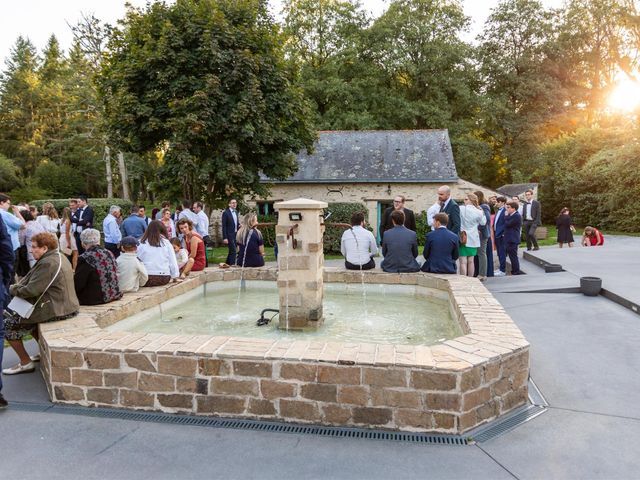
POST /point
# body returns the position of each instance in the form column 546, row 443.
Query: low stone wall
column 451, row 387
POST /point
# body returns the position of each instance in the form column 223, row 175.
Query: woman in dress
column 195, row 247
column 250, row 241
column 592, row 237
column 471, row 218
column 49, row 219
column 31, row 228
column 168, row 223
column 565, row 228
column 96, row 278
column 156, row 252
column 67, row 240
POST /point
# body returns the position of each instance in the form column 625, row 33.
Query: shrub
column 340, row 213
column 100, row 207
column 421, row 226
column 268, row 232
column 59, row 180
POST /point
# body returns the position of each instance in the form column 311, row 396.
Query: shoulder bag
column 463, row 235
column 24, row 308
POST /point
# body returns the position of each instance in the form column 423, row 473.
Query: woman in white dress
column 471, row 217
column 67, row 240
column 49, row 219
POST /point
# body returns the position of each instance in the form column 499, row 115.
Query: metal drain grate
column 508, row 423
column 241, row 424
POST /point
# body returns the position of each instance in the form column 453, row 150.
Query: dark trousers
column 157, row 280
column 231, row 257
column 1, row 336
column 78, row 243
column 113, row 248
column 530, row 233
column 501, row 250
column 489, row 258
column 512, row 251
column 367, row 266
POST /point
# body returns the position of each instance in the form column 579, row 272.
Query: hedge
column 100, row 207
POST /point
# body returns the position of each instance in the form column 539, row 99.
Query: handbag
column 463, row 235
column 25, row 309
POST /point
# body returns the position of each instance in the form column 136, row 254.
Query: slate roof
column 385, row 156
column 513, row 189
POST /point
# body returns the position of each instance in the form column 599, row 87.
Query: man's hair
column 513, row 204
column 45, row 239
column 186, row 204
column 129, row 248
column 141, row 207
column 357, row 218
column 27, row 216
column 401, row 197
column 135, row 209
column 4, row 197
column 83, row 198
column 200, row 205
column 397, row 217
column 113, row 209
column 501, row 199
column 441, row 218
column 529, row 191
column 73, row 200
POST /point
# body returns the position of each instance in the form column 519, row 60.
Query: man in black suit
column 512, row 226
column 230, row 225
column 82, row 218
column 400, row 247
column 450, row 207
column 398, row 205
column 498, row 235
column 441, row 247
column 531, row 219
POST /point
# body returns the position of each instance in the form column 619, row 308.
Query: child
column 182, row 256
column 131, row 272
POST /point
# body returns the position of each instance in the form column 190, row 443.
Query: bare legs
column 466, row 268
column 18, row 347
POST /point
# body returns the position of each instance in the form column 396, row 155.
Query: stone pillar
column 300, row 269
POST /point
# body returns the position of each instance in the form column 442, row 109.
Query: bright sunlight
column 625, row 96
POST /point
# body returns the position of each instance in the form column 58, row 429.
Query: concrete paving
column 584, row 359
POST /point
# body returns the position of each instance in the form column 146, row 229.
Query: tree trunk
column 107, row 160
column 124, row 176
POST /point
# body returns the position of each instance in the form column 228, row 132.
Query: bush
column 422, row 227
column 340, row 213
column 59, row 180
column 268, row 232
column 100, row 207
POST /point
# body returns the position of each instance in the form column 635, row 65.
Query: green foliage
column 422, row 227
column 340, row 213
column 26, row 192
column 59, row 180
column 8, row 174
column 100, row 207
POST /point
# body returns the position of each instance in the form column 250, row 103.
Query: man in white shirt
column 431, row 212
column 358, row 245
column 111, row 230
column 203, row 222
column 188, row 213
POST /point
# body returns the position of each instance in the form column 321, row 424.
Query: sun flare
column 625, row 96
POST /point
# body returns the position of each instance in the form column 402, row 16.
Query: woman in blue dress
column 250, row 242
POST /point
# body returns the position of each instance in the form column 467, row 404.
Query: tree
column 8, row 174
column 205, row 82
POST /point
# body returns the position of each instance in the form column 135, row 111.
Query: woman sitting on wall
column 49, row 287
column 156, row 252
column 195, row 247
column 250, row 242
column 96, row 277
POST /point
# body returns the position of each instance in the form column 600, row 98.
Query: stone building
column 518, row 189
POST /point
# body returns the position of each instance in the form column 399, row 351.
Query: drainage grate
column 241, row 424
column 517, row 418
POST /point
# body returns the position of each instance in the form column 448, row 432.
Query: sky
column 38, row 19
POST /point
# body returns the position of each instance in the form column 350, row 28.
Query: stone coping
column 490, row 332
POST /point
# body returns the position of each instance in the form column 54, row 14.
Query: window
column 265, row 208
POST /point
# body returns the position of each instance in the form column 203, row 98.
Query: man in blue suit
column 230, row 226
column 441, row 247
column 400, row 247
column 498, row 235
column 6, row 275
column 450, row 207
column 512, row 226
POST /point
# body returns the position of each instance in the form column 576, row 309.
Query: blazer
column 535, row 213
column 485, row 230
column 512, row 226
column 440, row 251
column 229, row 226
column 87, row 218
column 387, row 224
column 400, row 249
column 498, row 222
column 453, row 210
column 6, row 264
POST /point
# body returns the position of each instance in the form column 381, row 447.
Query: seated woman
column 157, row 254
column 195, row 247
column 96, row 276
column 250, row 241
column 49, row 286
column 592, row 237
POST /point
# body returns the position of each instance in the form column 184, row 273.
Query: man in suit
column 441, row 247
column 512, row 226
column 450, row 207
column 83, row 219
column 398, row 205
column 400, row 247
column 133, row 226
column 6, row 278
column 230, row 225
column 531, row 219
column 498, row 235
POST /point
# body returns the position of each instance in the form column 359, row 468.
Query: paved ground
column 584, row 358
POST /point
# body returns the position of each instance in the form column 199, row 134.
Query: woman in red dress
column 592, row 237
column 195, row 246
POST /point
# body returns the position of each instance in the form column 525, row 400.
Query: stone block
column 299, row 410
column 221, row 404
column 192, row 385
column 151, row 382
column 488, row 411
column 121, row 379
column 261, row 407
column 444, row 421
column 180, row 366
column 514, row 399
column 286, row 283
column 299, row 371
column 471, row 379
column 477, row 397
column 68, row 393
column 501, row 387
column 102, row 361
column 414, row 419
column 384, row 377
column 272, row 389
column 443, row 401
column 339, row 375
column 231, row 386
column 60, row 374
column 354, row 395
column 213, row 367
column 435, row 381
column 140, row 361
column 92, row 378
column 297, row 262
column 515, row 363
column 108, row 396
column 337, row 414
column 135, row 398
column 315, row 247
column 66, row 359
column 252, row 369
column 395, row 398
column 372, row 415
column 176, row 400
column 491, row 371
column 467, row 421
column 322, row 393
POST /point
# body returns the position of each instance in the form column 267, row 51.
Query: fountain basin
column 449, row 387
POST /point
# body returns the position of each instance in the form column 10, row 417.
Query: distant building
column 518, row 189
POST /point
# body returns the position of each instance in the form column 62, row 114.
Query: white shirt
column 159, row 260
column 203, row 224
column 132, row 273
column 527, row 208
column 235, row 219
column 358, row 245
column 470, row 218
column 186, row 213
column 50, row 225
column 433, row 209
column 497, row 216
